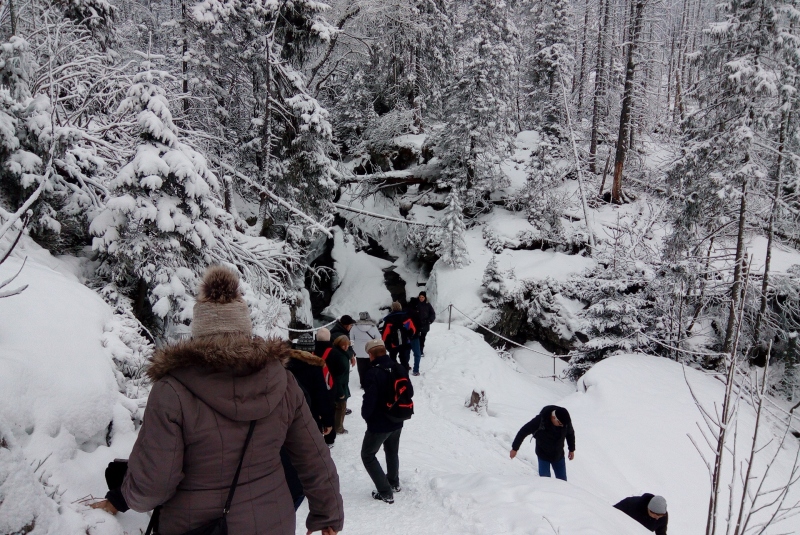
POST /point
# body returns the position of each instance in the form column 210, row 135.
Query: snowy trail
column 455, row 471
column 632, row 414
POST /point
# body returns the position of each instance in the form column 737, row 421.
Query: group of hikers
column 231, row 411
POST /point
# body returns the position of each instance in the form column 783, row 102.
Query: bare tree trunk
column 598, row 85
column 617, row 195
column 738, row 271
column 184, row 61
column 266, row 147
column 12, row 15
column 776, row 193
column 584, row 47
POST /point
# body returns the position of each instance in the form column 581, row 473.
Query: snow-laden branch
column 381, row 216
column 314, row 223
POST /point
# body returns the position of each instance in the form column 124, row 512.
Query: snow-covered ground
column 632, row 414
column 59, row 391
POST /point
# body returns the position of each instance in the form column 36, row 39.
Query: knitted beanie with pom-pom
column 220, row 308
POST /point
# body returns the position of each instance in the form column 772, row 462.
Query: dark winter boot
column 378, row 496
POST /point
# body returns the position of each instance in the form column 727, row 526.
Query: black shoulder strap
column 238, row 470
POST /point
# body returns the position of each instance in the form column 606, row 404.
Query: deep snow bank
column 61, row 402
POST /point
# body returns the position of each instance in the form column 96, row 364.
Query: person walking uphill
column 648, row 510
column 387, row 404
column 209, row 394
column 339, row 365
column 550, row 428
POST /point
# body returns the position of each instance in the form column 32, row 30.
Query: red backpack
column 399, row 407
column 326, row 373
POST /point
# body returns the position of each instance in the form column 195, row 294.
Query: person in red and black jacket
column 397, row 330
column 382, row 430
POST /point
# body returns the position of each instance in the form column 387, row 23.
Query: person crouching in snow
column 550, row 428
column 648, row 510
column 222, row 399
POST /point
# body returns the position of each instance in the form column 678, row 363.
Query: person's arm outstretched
column 523, row 433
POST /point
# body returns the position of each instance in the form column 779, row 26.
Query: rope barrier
column 503, row 337
column 313, row 330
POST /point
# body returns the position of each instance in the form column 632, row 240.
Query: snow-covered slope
column 61, row 401
column 60, row 391
column 632, row 414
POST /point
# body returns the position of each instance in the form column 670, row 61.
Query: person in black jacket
column 415, row 340
column 648, row 510
column 381, row 430
column 343, row 327
column 307, row 370
column 427, row 315
column 397, row 330
column 550, row 428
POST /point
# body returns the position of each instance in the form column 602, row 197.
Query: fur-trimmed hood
column 240, row 377
column 305, row 356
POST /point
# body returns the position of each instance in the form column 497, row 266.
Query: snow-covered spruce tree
column 479, row 104
column 279, row 135
column 162, row 218
column 619, row 307
column 729, row 146
column 543, row 197
column 96, row 15
column 548, row 64
column 493, row 284
column 452, row 249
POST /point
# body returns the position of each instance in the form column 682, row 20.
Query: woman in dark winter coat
column 339, row 366
column 307, row 370
column 550, row 428
column 206, row 392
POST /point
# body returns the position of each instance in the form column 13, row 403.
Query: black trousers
column 362, row 365
column 404, row 352
column 422, row 336
column 391, row 447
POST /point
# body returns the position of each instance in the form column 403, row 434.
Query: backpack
column 326, row 373
column 399, row 406
column 395, row 335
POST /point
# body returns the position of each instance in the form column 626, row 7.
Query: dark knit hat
column 563, row 415
column 347, row 320
column 424, row 294
column 220, row 308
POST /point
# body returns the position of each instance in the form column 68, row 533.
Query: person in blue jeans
column 550, row 428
